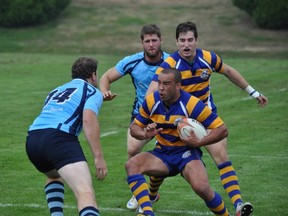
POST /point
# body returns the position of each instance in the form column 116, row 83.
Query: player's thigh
column 77, row 175
column 218, row 151
column 146, row 163
column 196, row 175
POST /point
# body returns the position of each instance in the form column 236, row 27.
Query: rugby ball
column 186, row 125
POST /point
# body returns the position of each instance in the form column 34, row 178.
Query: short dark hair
column 150, row 29
column 175, row 72
column 185, row 27
column 84, row 67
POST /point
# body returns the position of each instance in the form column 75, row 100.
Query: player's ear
column 94, row 75
column 178, row 85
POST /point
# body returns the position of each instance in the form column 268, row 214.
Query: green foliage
column 16, row 13
column 268, row 14
column 249, row 6
column 272, row 14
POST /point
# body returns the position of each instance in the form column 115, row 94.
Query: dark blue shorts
column 50, row 149
column 176, row 157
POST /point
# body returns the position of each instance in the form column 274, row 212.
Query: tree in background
column 18, row 13
column 268, row 14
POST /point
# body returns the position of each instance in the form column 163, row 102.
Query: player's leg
column 135, row 146
column 54, row 191
column 136, row 167
column 154, row 185
column 78, row 177
column 228, row 176
column 195, row 174
column 38, row 147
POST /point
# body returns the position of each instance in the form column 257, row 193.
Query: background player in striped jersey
column 52, row 144
column 196, row 66
column 173, row 155
column 141, row 67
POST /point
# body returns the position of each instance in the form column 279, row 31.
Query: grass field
column 36, row 59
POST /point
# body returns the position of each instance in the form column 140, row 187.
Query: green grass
column 34, row 60
column 257, row 139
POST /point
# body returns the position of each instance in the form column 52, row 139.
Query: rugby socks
column 217, row 206
column 55, row 197
column 89, row 211
column 139, row 188
column 154, row 185
column 230, row 183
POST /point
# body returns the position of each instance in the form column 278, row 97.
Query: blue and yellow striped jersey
column 195, row 75
column 154, row 110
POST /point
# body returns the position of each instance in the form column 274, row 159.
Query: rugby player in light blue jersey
column 52, row 143
column 141, row 67
column 196, row 66
column 173, row 155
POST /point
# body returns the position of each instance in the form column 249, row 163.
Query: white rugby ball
column 186, row 125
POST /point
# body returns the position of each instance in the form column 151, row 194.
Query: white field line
column 33, row 205
column 108, row 133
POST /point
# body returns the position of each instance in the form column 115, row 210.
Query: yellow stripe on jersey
column 170, row 61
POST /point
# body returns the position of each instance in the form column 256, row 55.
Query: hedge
column 269, row 14
column 17, row 13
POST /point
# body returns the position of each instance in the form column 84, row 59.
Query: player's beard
column 152, row 54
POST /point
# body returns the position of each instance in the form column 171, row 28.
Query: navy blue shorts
column 176, row 157
column 50, row 149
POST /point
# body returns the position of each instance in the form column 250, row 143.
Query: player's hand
column 262, row 100
column 151, row 130
column 108, row 96
column 192, row 140
column 101, row 168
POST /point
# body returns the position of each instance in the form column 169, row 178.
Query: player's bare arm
column 236, row 78
column 214, row 136
column 92, row 133
column 144, row 133
column 107, row 78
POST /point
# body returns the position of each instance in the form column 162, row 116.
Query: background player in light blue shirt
column 141, row 67
column 52, row 143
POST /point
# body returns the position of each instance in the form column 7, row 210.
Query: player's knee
column 131, row 167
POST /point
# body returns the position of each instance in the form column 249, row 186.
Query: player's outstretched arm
column 92, row 133
column 105, row 81
column 236, row 78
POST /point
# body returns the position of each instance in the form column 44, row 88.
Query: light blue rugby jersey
column 63, row 107
column 141, row 73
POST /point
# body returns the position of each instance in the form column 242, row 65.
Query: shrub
column 271, row 14
column 16, row 13
column 266, row 13
column 248, row 6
